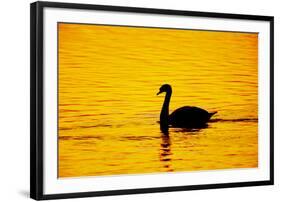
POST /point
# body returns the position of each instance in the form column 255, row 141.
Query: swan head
column 165, row 88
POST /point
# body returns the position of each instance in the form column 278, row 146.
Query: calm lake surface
column 109, row 111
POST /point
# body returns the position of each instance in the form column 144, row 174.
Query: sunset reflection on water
column 109, row 111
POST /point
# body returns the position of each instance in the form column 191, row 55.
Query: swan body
column 189, row 117
column 184, row 117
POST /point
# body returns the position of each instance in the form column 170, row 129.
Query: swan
column 184, row 117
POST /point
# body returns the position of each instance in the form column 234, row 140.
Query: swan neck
column 164, row 116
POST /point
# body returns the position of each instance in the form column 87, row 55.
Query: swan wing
column 189, row 116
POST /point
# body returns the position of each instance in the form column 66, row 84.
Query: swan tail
column 212, row 113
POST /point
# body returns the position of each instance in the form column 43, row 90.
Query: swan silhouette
column 184, row 117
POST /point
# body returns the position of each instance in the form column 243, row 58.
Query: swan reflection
column 166, row 153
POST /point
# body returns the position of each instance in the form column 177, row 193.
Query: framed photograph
column 131, row 100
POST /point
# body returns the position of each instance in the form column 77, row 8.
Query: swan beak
column 159, row 93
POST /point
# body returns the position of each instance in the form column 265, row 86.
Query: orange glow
column 108, row 108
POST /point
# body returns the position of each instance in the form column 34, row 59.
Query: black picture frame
column 37, row 102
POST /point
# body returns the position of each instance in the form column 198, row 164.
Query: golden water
column 108, row 108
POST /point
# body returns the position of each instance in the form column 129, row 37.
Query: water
column 109, row 111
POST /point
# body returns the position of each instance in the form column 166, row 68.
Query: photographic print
column 112, row 122
column 129, row 100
